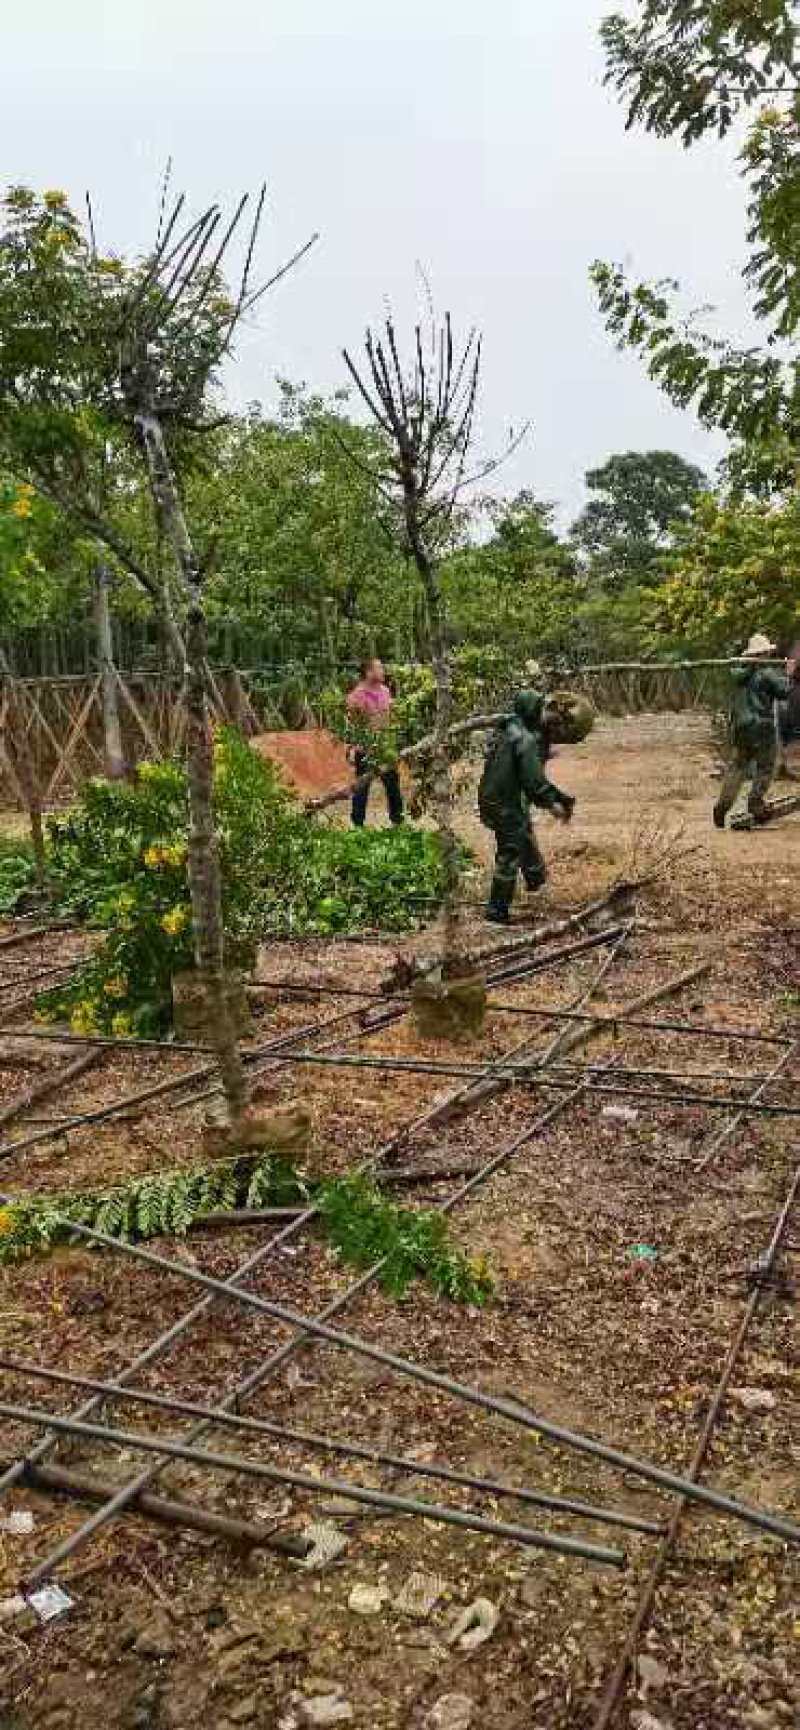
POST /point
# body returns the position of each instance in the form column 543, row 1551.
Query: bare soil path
column 170, row 1631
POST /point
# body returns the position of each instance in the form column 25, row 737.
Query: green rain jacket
column 513, row 775
column 755, row 690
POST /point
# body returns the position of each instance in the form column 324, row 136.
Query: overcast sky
column 473, row 137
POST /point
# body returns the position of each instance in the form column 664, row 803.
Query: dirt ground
column 170, row 1630
column 312, row 761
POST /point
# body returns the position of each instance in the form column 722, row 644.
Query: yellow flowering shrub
column 175, row 920
column 121, row 862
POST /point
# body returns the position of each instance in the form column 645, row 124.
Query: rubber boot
column 497, row 907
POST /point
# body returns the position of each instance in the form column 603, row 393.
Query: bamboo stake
column 168, row 1511
column 581, row 1035
column 331, row 1445
column 612, row 1694
column 750, row 1105
column 48, row 1085
column 137, row 1440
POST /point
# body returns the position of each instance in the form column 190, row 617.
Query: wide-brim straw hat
column 759, row 645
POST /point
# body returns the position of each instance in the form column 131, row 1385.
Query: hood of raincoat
column 528, row 708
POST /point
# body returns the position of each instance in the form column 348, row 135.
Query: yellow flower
column 121, row 1025
column 154, row 857
column 147, row 770
column 7, row 1222
column 115, row 987
column 175, row 921
column 176, row 854
column 22, row 508
column 82, row 1019
column 55, row 200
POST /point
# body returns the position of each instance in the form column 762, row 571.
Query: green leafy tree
column 523, row 545
column 686, row 68
column 63, row 431
column 45, row 564
column 95, row 356
column 304, row 559
column 639, row 499
column 689, row 67
column 518, row 588
column 733, row 571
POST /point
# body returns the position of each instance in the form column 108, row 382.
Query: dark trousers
column 752, row 759
column 516, row 849
column 391, row 784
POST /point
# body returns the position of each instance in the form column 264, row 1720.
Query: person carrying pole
column 787, row 726
column 513, row 779
column 369, row 707
column 757, row 687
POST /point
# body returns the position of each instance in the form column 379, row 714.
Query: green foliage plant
column 17, row 874
column 120, row 862
column 362, row 1226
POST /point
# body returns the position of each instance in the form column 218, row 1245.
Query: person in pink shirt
column 369, row 704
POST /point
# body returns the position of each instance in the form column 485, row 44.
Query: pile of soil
column 312, row 760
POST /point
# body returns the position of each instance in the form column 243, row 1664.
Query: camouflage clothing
column 756, row 690
column 752, row 736
column 750, row 761
column 513, row 779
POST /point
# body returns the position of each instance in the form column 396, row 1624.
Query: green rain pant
column 515, row 850
column 752, row 759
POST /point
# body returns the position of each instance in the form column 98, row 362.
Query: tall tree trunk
column 442, row 776
column 442, row 792
column 112, row 732
column 204, row 866
column 24, row 769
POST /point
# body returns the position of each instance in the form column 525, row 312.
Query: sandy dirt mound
column 312, row 760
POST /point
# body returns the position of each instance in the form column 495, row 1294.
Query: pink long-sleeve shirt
column 371, row 701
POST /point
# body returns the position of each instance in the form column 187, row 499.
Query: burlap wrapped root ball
column 569, row 718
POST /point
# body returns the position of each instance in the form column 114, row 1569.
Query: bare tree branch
column 163, row 201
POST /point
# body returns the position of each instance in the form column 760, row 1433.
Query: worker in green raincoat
column 514, row 779
column 757, row 687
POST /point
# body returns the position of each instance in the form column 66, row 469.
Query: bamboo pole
column 168, row 1511
column 139, row 1441
column 328, row 1444
column 612, row 1694
column 581, row 1035
column 48, row 1085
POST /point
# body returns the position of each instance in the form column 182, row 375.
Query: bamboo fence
column 63, row 716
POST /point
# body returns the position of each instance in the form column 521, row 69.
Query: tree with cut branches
column 96, row 355
column 425, row 407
